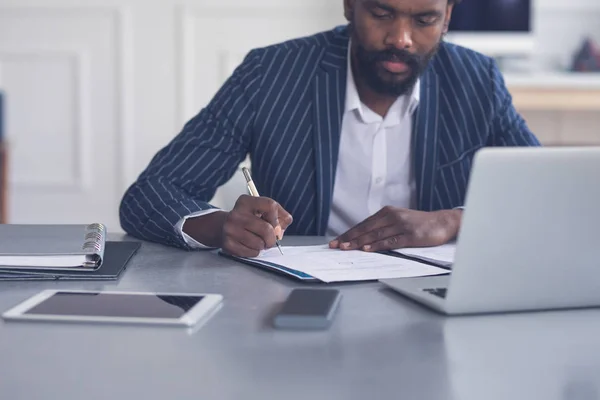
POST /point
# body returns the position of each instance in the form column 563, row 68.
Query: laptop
column 530, row 235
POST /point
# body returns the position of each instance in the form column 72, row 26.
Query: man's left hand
column 395, row 228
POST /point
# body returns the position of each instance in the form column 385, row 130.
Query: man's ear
column 448, row 17
column 349, row 9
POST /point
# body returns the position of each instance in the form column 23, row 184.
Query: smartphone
column 308, row 309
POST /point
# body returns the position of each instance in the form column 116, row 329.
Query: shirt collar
column 353, row 99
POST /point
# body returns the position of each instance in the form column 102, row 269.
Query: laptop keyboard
column 440, row 292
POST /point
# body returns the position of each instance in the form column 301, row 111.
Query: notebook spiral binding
column 93, row 244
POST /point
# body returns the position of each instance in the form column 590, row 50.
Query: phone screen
column 310, row 302
column 98, row 304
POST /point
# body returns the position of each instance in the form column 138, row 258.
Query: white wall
column 96, row 87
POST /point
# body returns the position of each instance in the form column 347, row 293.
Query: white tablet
column 182, row 309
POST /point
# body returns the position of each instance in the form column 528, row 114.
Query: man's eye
column 380, row 14
column 426, row 20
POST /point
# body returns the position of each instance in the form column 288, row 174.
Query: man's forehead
column 404, row 4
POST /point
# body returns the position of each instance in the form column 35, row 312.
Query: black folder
column 116, row 258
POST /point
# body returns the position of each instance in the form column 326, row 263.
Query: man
column 365, row 133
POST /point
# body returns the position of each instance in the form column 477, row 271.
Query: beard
column 369, row 68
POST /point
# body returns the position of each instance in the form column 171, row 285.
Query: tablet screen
column 98, row 304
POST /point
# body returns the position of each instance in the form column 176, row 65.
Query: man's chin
column 396, row 79
column 396, row 85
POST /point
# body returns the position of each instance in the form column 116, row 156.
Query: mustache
column 395, row 55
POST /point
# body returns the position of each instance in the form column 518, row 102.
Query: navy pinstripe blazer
column 283, row 105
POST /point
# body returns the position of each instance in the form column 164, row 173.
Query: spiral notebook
column 52, row 247
column 116, row 259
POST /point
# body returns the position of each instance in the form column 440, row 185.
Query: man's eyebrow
column 430, row 13
column 378, row 4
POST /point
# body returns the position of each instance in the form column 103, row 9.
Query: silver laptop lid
column 530, row 237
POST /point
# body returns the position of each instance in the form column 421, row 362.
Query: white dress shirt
column 374, row 166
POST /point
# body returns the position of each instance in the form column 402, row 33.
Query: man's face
column 394, row 40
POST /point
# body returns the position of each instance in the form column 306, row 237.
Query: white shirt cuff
column 193, row 243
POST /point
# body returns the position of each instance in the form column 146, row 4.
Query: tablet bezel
column 202, row 309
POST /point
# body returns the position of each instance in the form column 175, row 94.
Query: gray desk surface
column 381, row 345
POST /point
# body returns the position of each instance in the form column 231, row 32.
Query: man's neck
column 376, row 102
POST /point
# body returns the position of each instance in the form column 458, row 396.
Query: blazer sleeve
column 183, row 176
column 508, row 127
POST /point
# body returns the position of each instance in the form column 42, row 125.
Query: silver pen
column 254, row 193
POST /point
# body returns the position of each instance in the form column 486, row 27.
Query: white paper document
column 333, row 265
column 442, row 255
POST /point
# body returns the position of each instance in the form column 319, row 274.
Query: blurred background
column 90, row 90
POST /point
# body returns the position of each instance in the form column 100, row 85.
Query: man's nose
column 400, row 35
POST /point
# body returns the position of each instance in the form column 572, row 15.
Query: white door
column 94, row 89
column 62, row 70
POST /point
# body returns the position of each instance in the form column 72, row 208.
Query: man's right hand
column 254, row 224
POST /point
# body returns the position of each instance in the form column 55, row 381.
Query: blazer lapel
column 329, row 91
column 425, row 140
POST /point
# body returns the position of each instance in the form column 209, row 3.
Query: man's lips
column 396, row 67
